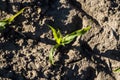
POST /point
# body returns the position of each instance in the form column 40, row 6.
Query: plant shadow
column 8, row 73
column 92, row 55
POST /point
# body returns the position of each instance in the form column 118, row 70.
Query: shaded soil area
column 25, row 44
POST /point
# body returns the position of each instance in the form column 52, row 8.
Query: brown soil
column 25, row 44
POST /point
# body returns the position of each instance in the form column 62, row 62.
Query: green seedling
column 117, row 70
column 63, row 40
column 7, row 21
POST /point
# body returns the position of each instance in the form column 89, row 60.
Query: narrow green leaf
column 2, row 23
column 117, row 70
column 9, row 20
column 57, row 35
column 54, row 32
column 81, row 31
column 69, row 38
column 14, row 16
column 51, row 55
column 51, row 60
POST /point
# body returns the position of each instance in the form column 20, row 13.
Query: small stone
column 38, row 10
column 31, row 74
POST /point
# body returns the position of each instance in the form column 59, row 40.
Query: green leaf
column 9, row 20
column 57, row 35
column 69, row 38
column 14, row 16
column 81, row 31
column 117, row 70
column 51, row 55
column 2, row 25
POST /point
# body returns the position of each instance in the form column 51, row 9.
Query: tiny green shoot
column 117, row 70
column 6, row 21
column 63, row 40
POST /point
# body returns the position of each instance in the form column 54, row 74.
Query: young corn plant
column 63, row 40
column 8, row 21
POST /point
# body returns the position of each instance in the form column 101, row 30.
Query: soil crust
column 25, row 44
